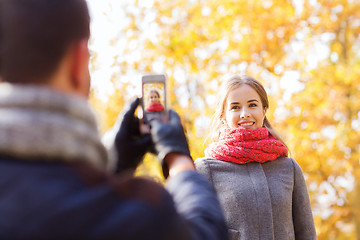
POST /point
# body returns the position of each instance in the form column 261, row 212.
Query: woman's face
column 243, row 108
column 154, row 98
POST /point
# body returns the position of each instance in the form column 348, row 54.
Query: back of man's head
column 36, row 34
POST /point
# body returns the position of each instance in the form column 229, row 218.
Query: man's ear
column 80, row 77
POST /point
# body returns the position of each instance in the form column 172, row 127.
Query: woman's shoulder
column 202, row 162
column 202, row 166
column 203, row 159
column 289, row 163
column 286, row 160
column 208, row 161
column 212, row 163
column 209, row 164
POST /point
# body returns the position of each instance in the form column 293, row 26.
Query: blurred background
column 306, row 53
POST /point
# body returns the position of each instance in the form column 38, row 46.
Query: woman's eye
column 234, row 107
column 252, row 105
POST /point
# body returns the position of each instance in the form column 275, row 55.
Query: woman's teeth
column 246, row 124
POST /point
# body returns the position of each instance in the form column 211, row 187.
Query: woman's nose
column 244, row 113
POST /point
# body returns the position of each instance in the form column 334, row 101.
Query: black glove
column 169, row 137
column 130, row 144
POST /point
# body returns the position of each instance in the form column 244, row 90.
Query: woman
column 154, row 102
column 263, row 192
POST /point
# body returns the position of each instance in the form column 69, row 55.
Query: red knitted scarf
column 239, row 145
column 155, row 107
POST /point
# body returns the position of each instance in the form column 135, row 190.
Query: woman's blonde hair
column 229, row 85
column 155, row 91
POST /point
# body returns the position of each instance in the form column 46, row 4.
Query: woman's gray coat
column 262, row 201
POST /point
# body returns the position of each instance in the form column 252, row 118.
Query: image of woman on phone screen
column 154, row 104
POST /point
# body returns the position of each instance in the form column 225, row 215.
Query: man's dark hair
column 36, row 34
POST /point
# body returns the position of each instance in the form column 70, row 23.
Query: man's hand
column 130, row 144
column 169, row 138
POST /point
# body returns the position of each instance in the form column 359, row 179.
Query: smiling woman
column 262, row 191
column 234, row 90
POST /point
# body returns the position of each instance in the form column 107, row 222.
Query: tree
column 324, row 116
column 313, row 44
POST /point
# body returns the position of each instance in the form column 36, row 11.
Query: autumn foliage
column 306, row 53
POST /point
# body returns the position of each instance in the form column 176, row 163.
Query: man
column 53, row 168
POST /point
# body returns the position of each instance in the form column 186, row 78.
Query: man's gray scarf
column 38, row 123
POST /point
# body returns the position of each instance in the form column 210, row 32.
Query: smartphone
column 154, row 97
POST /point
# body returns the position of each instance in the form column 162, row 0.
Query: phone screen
column 154, row 99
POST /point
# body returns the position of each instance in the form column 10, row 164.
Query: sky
column 106, row 17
